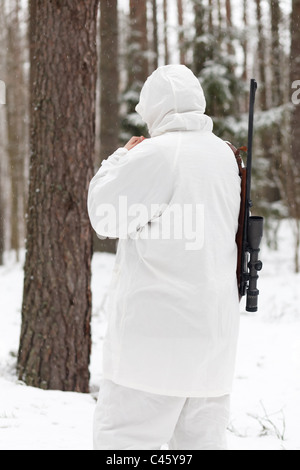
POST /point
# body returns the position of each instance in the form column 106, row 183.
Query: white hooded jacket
column 174, row 202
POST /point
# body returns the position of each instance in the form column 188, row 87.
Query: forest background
column 73, row 72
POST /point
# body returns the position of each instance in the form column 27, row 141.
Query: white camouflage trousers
column 129, row 419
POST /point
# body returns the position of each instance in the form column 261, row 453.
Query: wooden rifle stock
column 241, row 225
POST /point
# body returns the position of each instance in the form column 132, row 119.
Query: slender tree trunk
column 155, row 34
column 55, row 338
column 200, row 45
column 137, row 66
column 109, row 78
column 277, row 94
column 245, row 42
column 181, row 32
column 15, row 115
column 138, row 44
column 295, row 75
column 1, row 224
column 261, row 57
column 109, row 93
column 166, row 41
column 230, row 48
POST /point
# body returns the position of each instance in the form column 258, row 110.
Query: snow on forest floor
column 266, row 397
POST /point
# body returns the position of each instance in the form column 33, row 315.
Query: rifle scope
column 255, row 234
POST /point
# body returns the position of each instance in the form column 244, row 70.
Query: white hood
column 172, row 99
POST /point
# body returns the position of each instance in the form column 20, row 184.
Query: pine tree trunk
column 55, row 338
column 155, row 34
column 200, row 46
column 261, row 57
column 181, row 32
column 1, row 224
column 166, row 41
column 277, row 95
column 137, row 66
column 109, row 78
column 15, row 114
column 230, row 48
column 295, row 75
column 138, row 44
column 109, row 93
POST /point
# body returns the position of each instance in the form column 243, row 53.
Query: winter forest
column 71, row 73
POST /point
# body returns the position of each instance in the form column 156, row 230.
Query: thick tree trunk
column 55, row 338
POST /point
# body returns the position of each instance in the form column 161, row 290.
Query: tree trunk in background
column 276, row 63
column 293, row 178
column 166, row 41
column 55, row 338
column 138, row 44
column 137, row 68
column 155, row 34
column 261, row 58
column 277, row 99
column 16, row 129
column 200, row 46
column 109, row 78
column 1, row 225
column 109, row 93
column 230, row 47
column 295, row 75
column 181, row 32
column 2, row 133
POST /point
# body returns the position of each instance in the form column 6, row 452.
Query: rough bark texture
column 55, row 338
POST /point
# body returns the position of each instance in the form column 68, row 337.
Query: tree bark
column 15, row 116
column 261, row 57
column 155, row 34
column 295, row 75
column 55, row 340
column 277, row 94
column 181, row 32
column 138, row 43
column 109, row 78
column 200, row 46
column 166, row 41
column 109, row 93
column 1, row 223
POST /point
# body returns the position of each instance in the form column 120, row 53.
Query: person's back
column 173, row 314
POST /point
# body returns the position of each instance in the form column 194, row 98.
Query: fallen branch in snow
column 268, row 426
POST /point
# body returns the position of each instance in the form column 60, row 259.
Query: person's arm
column 125, row 193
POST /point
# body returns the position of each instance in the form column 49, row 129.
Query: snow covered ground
column 266, row 398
